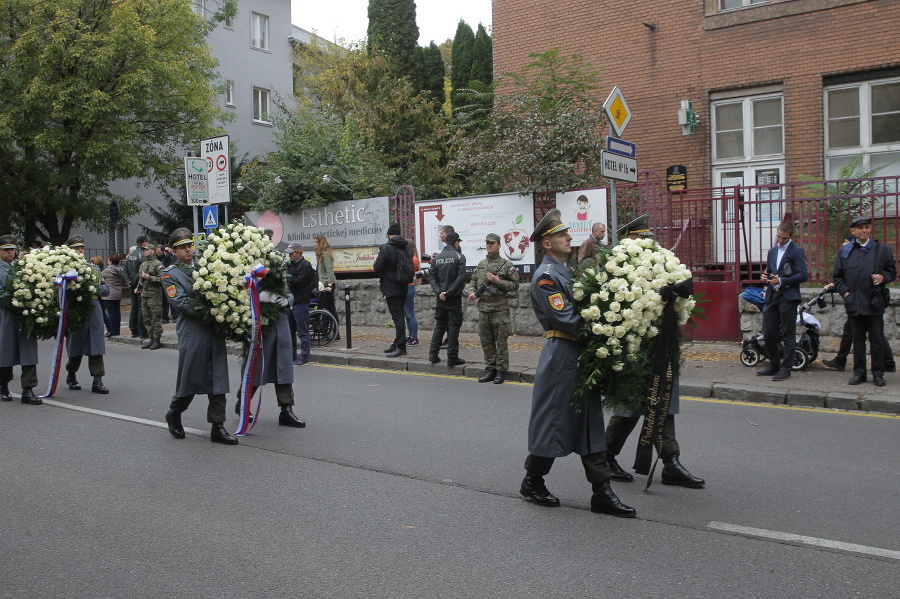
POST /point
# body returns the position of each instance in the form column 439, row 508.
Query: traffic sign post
column 617, row 110
column 617, row 162
column 196, row 181
column 618, row 168
column 215, row 152
column 210, row 218
column 620, row 147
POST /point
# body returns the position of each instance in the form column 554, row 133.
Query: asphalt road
column 406, row 485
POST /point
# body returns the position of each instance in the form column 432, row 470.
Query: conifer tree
column 482, row 57
column 393, row 33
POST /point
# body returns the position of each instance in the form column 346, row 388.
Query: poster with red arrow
column 511, row 216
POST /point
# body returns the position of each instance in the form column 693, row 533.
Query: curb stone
column 747, row 393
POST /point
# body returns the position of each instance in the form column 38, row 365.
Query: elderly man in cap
column 150, row 274
column 557, row 428
column 202, row 361
column 493, row 278
column 132, row 266
column 303, row 280
column 16, row 348
column 88, row 339
column 861, row 272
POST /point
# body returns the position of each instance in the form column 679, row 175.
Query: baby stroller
column 753, row 350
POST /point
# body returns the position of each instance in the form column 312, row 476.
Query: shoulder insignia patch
column 171, row 290
column 167, row 276
column 557, row 301
column 546, row 283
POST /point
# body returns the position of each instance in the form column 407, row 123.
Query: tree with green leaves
column 461, row 57
column 94, row 91
column 482, row 57
column 393, row 33
column 431, row 69
column 544, row 134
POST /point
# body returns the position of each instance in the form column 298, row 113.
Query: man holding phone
column 785, row 271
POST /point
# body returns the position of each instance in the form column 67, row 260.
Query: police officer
column 132, row 265
column 557, row 427
column 447, row 274
column 493, row 278
column 88, row 339
column 202, row 361
column 15, row 346
column 150, row 274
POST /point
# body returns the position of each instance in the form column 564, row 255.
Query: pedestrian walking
column 556, row 427
column 150, row 273
column 113, row 276
column 88, row 339
column 394, row 267
column 301, row 284
column 493, row 279
column 861, row 273
column 16, row 348
column 447, row 275
column 132, row 265
column 202, row 359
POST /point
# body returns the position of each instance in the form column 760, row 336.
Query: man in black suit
column 785, row 271
column 860, row 274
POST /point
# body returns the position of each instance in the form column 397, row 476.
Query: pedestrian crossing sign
column 210, row 218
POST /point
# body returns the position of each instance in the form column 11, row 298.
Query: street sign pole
column 614, row 215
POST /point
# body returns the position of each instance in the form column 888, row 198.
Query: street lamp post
column 326, row 179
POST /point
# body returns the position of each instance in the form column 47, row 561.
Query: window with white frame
column 748, row 129
column 200, row 8
column 261, row 105
column 732, row 4
column 862, row 124
column 259, row 31
column 229, row 93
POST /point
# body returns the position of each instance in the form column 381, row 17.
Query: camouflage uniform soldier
column 150, row 274
column 492, row 280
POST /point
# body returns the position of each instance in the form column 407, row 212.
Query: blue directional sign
column 614, row 145
column 210, row 218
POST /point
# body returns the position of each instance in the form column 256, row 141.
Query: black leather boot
column 29, row 397
column 173, row 419
column 455, row 361
column 533, row 488
column 390, row 348
column 146, row 344
column 72, row 382
column 220, row 435
column 618, row 473
column 674, row 473
column 5, row 394
column 501, row 376
column 488, row 376
column 97, row 386
column 604, row 501
column 155, row 344
column 288, row 418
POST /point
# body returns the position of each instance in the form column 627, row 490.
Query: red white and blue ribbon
column 61, row 282
column 254, row 353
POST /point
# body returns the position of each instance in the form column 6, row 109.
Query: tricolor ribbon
column 254, row 353
column 61, row 282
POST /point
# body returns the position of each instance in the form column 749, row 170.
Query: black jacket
column 448, row 272
column 132, row 265
column 300, row 284
column 386, row 265
column 853, row 272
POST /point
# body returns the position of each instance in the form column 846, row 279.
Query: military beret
column 639, row 226
column 8, row 242
column 150, row 246
column 551, row 223
column 492, row 238
column 860, row 220
column 180, row 236
column 75, row 241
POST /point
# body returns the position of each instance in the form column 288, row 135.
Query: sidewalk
column 710, row 370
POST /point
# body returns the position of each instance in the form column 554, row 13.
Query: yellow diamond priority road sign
column 617, row 110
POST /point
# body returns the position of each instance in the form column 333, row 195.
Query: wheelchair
column 323, row 327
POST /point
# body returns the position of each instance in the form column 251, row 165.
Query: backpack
column 405, row 272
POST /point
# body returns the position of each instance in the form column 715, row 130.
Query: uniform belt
column 559, row 335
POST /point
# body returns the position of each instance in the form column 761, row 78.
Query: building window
column 259, row 31
column 260, row 105
column 748, row 129
column 200, row 8
column 863, row 120
column 732, row 4
column 229, row 93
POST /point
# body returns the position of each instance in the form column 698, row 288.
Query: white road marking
column 786, row 536
column 134, row 419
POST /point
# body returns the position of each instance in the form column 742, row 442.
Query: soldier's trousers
column 95, row 365
column 620, row 427
column 284, row 393
column 493, row 330
column 596, row 467
column 151, row 312
column 215, row 413
column 29, row 376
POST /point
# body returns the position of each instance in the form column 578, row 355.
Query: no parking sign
column 215, row 151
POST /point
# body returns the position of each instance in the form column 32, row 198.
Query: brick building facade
column 782, row 87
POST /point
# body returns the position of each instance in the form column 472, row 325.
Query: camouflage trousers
column 151, row 313
column 494, row 331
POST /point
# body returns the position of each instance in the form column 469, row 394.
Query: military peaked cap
column 639, row 226
column 75, row 241
column 8, row 242
column 180, row 236
column 551, row 223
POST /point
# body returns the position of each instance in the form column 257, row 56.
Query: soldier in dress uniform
column 88, row 339
column 15, row 346
column 622, row 422
column 557, row 428
column 150, row 274
column 277, row 360
column 202, row 361
column 499, row 277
